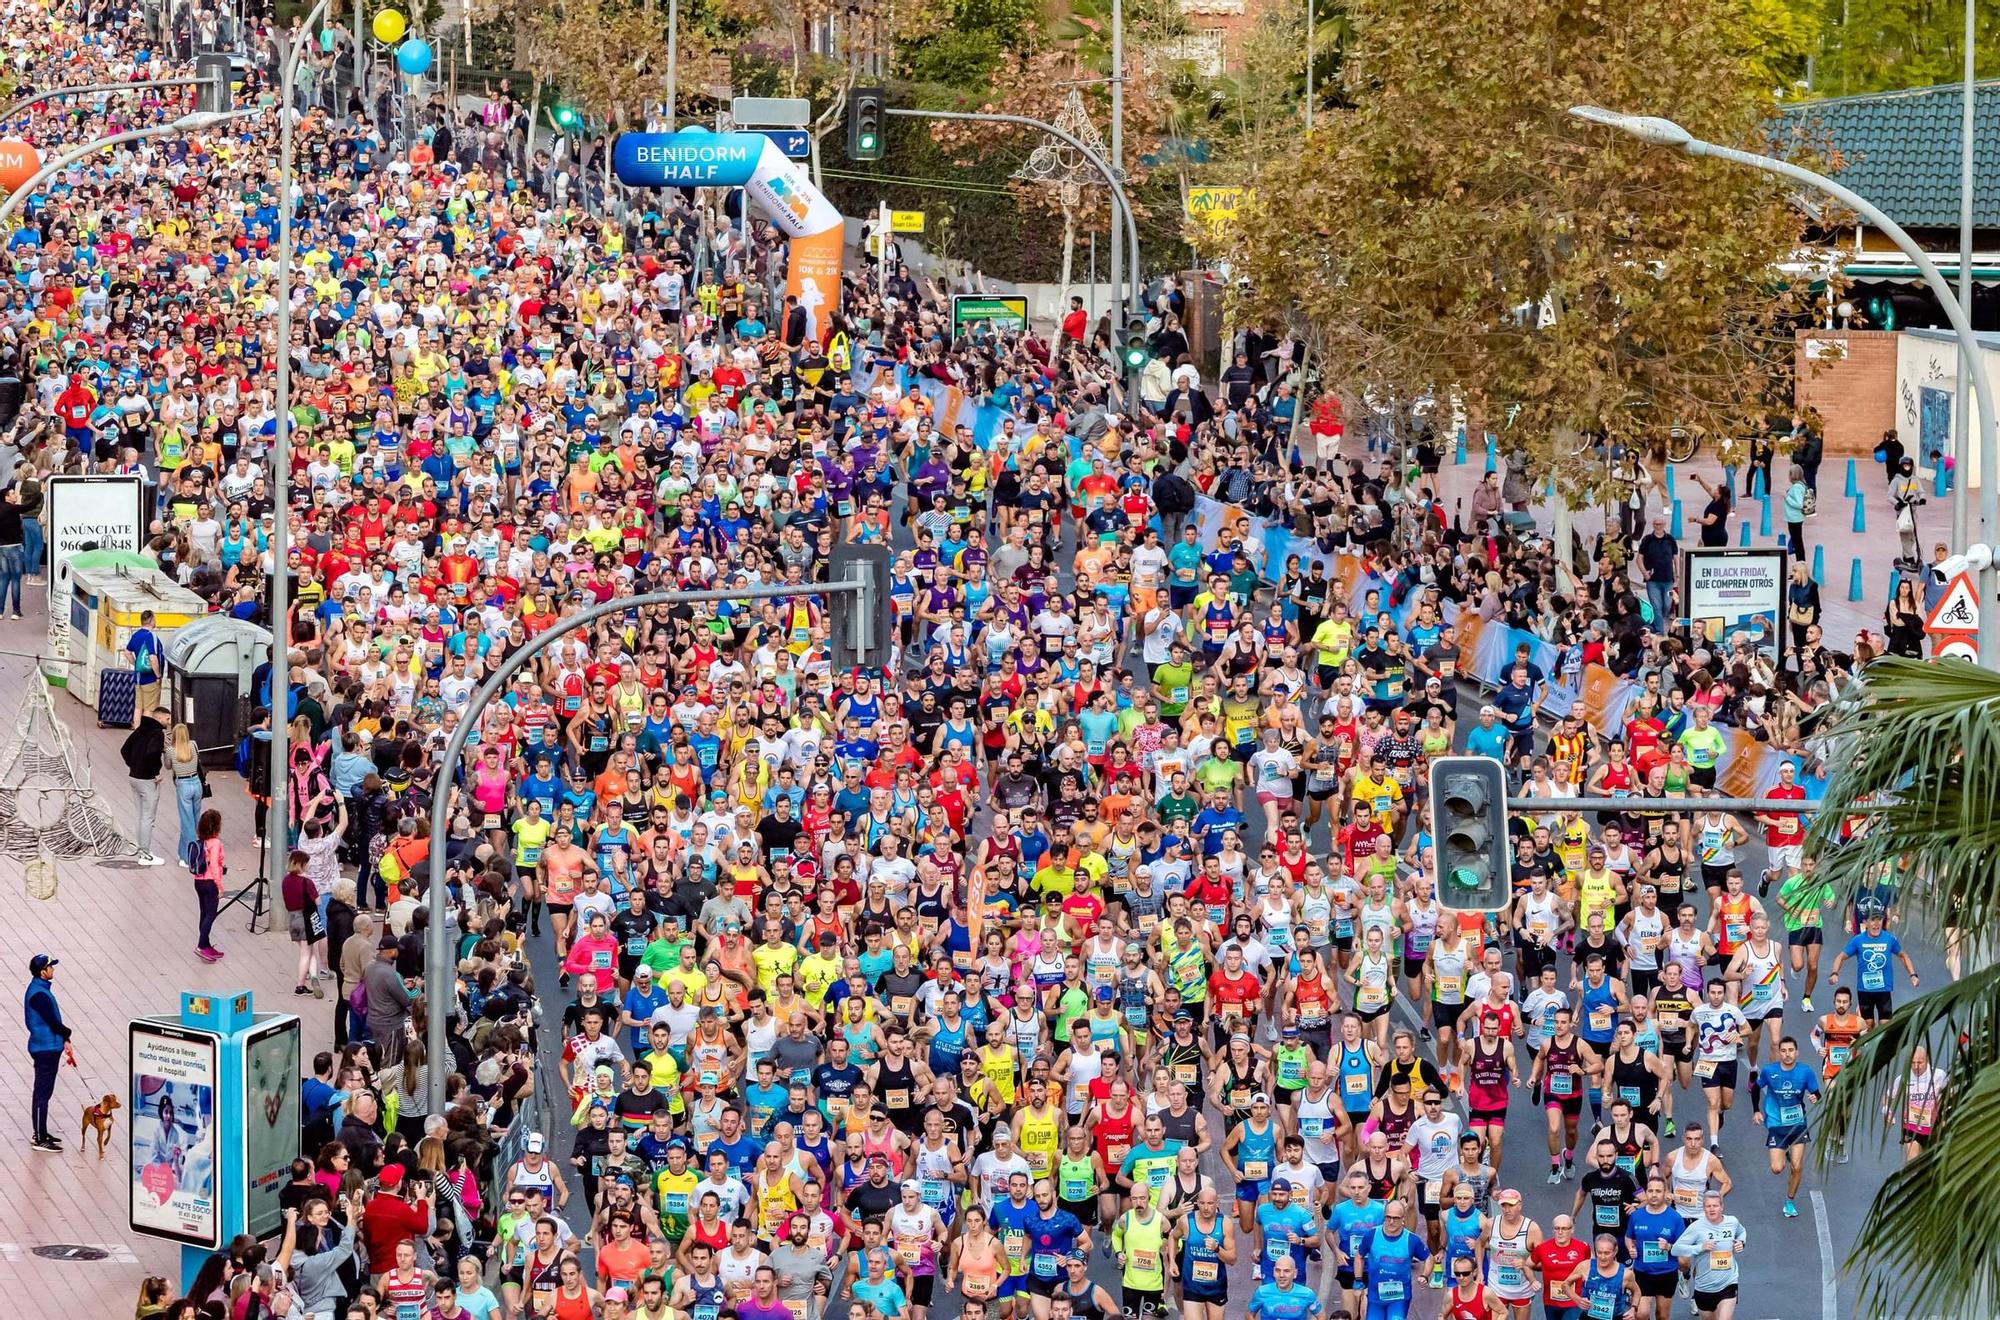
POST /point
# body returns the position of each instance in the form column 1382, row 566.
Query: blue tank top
column 1257, row 1148
column 867, row 712
column 1355, row 1095
column 708, row 1298
column 1461, row 1233
column 1205, row 1248
column 858, row 1045
column 1604, row 1294
column 1598, row 999
column 947, row 1048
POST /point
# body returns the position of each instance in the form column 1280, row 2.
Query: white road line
column 1829, row 1287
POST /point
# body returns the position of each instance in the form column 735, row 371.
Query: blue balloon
column 414, row 56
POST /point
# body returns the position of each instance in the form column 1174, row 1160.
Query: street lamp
column 276, row 854
column 1666, row 133
column 190, row 123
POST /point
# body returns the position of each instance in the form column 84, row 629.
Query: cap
column 1507, row 1196
column 536, row 1141
column 1260, row 1098
column 1103, row 994
column 41, row 962
column 1281, row 1184
column 391, row 1177
column 912, row 1185
column 1183, row 1014
column 1489, row 710
column 616, row 1295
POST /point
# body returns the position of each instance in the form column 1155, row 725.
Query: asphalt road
column 1794, row 1268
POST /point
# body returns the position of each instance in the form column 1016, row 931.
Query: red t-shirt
column 1557, row 1261
column 1777, row 836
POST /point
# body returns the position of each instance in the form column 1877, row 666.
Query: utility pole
column 1309, row 66
column 1961, row 414
column 882, row 253
column 1118, row 141
column 673, row 59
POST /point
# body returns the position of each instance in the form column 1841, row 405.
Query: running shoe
column 46, row 1145
column 1555, row 1174
column 1791, row 1210
column 1806, row 1003
column 1667, row 1129
column 147, row 859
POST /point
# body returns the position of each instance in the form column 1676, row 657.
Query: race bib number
column 1204, row 1271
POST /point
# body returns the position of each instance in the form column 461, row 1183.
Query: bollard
column 1852, row 489
column 1819, row 565
column 1854, row 580
column 1757, row 483
column 1860, row 516
column 1764, row 516
column 1458, row 453
column 1492, row 459
column 1743, row 539
column 1675, row 529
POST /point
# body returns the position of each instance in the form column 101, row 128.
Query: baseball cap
column 616, row 1295
column 1281, row 1184
column 912, row 1185
column 536, row 1141
column 1261, row 1098
column 41, row 962
column 1507, row 1196
column 391, row 1177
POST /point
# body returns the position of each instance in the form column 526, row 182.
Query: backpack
column 1811, row 503
column 197, row 856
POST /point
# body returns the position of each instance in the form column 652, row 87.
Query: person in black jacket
column 13, row 550
column 144, row 752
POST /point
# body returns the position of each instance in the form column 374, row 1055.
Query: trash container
column 209, row 665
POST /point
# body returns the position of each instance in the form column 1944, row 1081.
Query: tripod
column 255, row 897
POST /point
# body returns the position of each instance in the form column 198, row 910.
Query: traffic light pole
column 1657, row 806
column 440, row 969
column 1135, row 295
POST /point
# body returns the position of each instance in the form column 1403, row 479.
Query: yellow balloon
column 389, row 26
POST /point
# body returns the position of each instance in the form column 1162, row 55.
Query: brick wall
column 1852, row 386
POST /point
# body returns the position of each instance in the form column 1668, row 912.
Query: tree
column 1916, row 753
column 1457, row 231
column 1883, row 45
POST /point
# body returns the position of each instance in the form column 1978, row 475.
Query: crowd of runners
column 1098, row 922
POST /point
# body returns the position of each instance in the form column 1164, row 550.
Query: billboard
column 1007, row 314
column 108, row 513
column 175, row 1189
column 1727, row 594
column 270, row 1120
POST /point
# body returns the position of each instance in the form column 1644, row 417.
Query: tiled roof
column 1900, row 150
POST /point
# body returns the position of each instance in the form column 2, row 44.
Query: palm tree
column 1916, row 751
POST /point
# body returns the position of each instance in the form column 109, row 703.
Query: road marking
column 1829, row 1287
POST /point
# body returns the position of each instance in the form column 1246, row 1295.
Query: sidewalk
column 1832, row 527
column 126, row 940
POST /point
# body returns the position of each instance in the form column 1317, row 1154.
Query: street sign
column 796, row 143
column 906, row 222
column 1957, row 646
column 770, row 111
column 1957, row 610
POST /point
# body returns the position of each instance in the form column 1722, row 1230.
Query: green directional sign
column 1008, row 314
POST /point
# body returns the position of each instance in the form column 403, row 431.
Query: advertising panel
column 270, row 1120
column 1727, row 594
column 174, row 1190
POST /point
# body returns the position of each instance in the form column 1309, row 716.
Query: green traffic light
column 868, row 142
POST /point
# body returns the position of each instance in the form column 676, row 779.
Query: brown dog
column 99, row 1116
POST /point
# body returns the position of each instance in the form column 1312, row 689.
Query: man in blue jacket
column 48, row 1044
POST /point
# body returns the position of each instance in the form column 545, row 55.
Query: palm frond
column 1916, row 751
column 1928, row 1244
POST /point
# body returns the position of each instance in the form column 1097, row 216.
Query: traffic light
column 1469, row 829
column 865, row 118
column 861, row 624
column 1137, row 351
column 211, row 92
